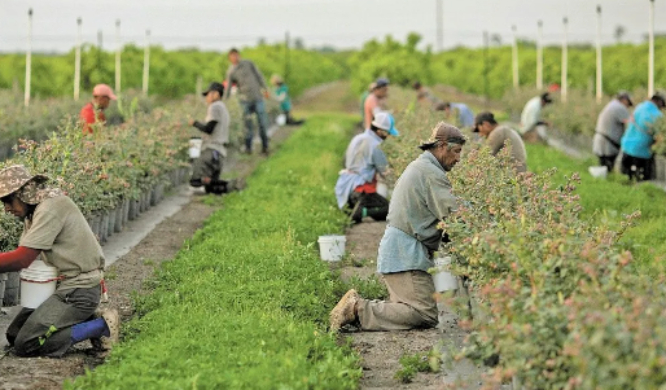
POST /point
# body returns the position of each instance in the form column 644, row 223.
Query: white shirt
column 531, row 114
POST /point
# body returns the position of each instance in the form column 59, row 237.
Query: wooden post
column 439, row 20
column 146, row 63
column 28, row 61
column 564, row 61
column 287, row 59
column 77, row 61
column 539, row 69
column 599, row 70
column 486, row 87
column 514, row 59
column 651, row 52
column 118, row 50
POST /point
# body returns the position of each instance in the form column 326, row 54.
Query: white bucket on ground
column 38, row 282
column 599, row 172
column 382, row 189
column 332, row 247
column 281, row 120
column 444, row 280
column 195, row 147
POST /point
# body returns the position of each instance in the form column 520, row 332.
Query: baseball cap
column 625, row 95
column 381, row 82
column 444, row 132
column 383, row 120
column 104, row 90
column 214, row 86
column 486, row 116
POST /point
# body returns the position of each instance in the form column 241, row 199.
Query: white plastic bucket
column 281, row 120
column 599, row 172
column 444, row 280
column 331, row 247
column 38, row 282
column 382, row 189
column 195, row 147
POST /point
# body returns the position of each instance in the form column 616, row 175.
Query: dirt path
column 130, row 274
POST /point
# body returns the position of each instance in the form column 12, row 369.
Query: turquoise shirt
column 638, row 139
column 282, row 92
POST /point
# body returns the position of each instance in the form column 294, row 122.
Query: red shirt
column 368, row 188
column 89, row 117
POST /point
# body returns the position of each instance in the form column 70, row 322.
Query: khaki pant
column 411, row 304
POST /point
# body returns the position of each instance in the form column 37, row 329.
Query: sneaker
column 343, row 313
column 112, row 320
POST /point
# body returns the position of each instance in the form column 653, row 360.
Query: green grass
column 608, row 201
column 244, row 305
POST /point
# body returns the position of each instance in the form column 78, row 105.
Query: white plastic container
column 195, row 147
column 281, row 120
column 599, row 172
column 38, row 282
column 332, row 247
column 382, row 189
column 444, row 280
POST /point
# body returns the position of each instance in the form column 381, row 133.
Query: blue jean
column 255, row 107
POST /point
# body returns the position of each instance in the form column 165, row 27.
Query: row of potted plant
column 559, row 303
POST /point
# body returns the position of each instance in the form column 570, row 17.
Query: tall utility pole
column 118, row 49
column 146, row 63
column 287, row 63
column 514, row 59
column 599, row 70
column 651, row 52
column 485, row 69
column 77, row 61
column 564, row 60
column 439, row 19
column 539, row 47
column 28, row 61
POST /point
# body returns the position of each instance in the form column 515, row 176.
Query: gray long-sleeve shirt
column 249, row 80
column 422, row 197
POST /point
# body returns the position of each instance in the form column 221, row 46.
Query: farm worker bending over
column 208, row 167
column 93, row 112
column 375, row 102
column 465, row 116
column 282, row 96
column 357, row 184
column 424, row 96
column 637, row 161
column 422, row 197
column 251, row 91
column 56, row 231
column 610, row 128
column 530, row 119
column 497, row 136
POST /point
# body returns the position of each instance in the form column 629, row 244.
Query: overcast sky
column 221, row 24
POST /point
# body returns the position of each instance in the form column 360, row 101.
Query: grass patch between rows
column 244, row 305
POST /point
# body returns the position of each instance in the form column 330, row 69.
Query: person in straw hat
column 56, row 232
column 421, row 199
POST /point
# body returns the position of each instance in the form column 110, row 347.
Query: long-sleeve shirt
column 249, row 80
column 422, row 197
column 363, row 160
column 531, row 114
column 610, row 128
column 639, row 137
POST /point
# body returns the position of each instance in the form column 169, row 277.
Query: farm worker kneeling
column 422, row 197
column 533, row 126
column 497, row 136
column 637, row 158
column 464, row 114
column 375, row 101
column 610, row 128
column 93, row 112
column 282, row 96
column 357, row 183
column 208, row 167
column 56, row 231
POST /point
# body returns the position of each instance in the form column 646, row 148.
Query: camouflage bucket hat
column 14, row 177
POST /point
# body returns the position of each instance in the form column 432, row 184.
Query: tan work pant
column 410, row 305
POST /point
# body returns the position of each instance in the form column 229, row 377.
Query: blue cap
column 385, row 121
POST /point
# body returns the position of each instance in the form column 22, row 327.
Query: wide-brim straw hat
column 14, row 177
